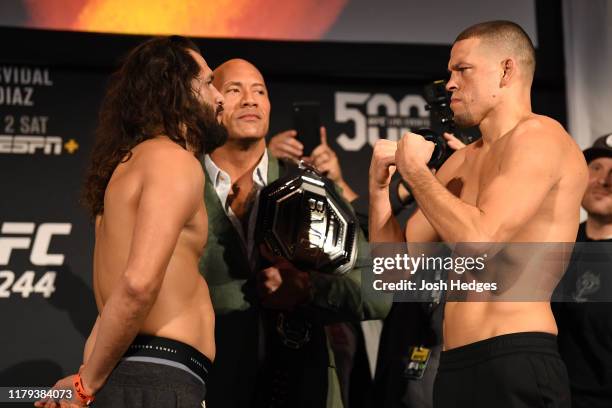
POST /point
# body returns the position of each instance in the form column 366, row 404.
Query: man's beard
column 246, row 143
column 464, row 120
column 213, row 133
column 594, row 208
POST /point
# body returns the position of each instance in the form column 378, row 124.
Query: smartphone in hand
column 307, row 122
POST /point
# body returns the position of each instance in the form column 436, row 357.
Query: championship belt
column 303, row 218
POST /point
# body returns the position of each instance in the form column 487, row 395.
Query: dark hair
column 507, row 33
column 151, row 94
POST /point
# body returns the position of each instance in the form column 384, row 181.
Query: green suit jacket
column 237, row 326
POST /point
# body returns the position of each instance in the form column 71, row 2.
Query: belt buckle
column 294, row 332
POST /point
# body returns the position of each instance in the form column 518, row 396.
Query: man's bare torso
column 556, row 220
column 182, row 310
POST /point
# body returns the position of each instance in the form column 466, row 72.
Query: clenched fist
column 413, row 153
column 382, row 166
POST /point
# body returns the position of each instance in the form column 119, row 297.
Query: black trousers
column 514, row 371
column 137, row 384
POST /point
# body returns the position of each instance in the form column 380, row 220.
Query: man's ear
column 509, row 71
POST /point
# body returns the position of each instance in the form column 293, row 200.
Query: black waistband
column 161, row 347
column 528, row 342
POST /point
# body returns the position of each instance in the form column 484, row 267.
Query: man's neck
column 505, row 117
column 598, row 227
column 237, row 159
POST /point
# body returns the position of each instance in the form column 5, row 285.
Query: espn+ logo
column 49, row 145
column 371, row 113
column 19, row 236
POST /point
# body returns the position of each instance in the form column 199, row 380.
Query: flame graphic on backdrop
column 259, row 19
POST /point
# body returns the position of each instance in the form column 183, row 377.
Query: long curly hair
column 151, row 94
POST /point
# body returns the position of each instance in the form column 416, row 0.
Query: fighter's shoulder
column 540, row 129
column 162, row 158
column 158, row 152
column 545, row 142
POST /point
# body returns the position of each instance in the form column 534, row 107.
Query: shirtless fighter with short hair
column 153, row 341
column 522, row 182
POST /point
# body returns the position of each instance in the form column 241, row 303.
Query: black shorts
column 514, row 370
column 156, row 372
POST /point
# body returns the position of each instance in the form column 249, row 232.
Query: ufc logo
column 23, row 237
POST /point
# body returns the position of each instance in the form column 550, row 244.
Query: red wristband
column 80, row 390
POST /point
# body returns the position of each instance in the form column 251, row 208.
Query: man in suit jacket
column 246, row 284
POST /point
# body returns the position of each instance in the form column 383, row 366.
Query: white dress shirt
column 223, row 186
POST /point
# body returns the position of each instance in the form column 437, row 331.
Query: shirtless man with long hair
column 153, row 341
